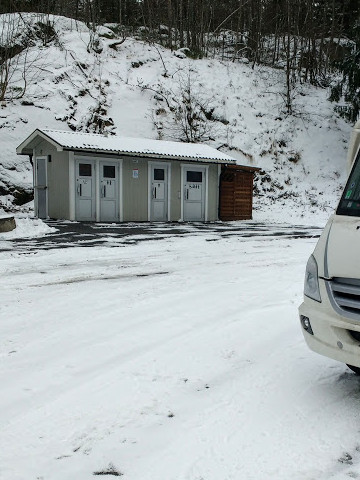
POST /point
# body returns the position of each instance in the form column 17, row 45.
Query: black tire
column 354, row 369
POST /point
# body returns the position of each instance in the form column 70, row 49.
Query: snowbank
column 27, row 227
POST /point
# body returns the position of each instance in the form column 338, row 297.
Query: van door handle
column 104, row 191
column 79, row 190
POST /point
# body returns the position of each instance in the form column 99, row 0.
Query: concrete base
column 7, row 224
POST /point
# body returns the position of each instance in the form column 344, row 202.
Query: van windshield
column 350, row 200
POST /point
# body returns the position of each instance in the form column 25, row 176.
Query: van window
column 350, row 200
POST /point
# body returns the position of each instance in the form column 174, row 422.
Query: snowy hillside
column 93, row 82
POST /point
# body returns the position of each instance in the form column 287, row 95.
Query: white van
column 330, row 313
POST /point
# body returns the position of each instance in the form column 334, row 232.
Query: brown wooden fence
column 236, row 192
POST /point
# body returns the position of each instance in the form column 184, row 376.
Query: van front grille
column 346, row 295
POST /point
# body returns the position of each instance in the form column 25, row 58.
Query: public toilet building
column 97, row 178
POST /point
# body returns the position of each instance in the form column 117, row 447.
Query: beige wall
column 58, row 185
column 44, row 148
column 175, row 194
column 57, row 180
column 213, row 197
column 135, row 191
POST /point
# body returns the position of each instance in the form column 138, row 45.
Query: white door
column 85, row 190
column 194, row 194
column 109, row 192
column 158, row 193
column 40, row 187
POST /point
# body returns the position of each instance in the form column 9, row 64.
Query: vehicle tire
column 354, row 369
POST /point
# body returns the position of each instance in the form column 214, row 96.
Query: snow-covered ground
column 177, row 359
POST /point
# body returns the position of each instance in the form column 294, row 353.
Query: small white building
column 91, row 177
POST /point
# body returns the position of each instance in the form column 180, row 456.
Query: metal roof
column 91, row 142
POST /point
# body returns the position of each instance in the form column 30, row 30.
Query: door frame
column 202, row 168
column 36, row 197
column 161, row 164
column 118, row 167
column 84, row 159
column 72, row 182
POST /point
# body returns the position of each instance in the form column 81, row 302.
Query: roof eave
column 25, row 149
column 244, row 168
column 152, row 155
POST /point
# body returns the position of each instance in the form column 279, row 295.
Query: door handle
column 104, row 191
column 155, row 192
column 79, row 190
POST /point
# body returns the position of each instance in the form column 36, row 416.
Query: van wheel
column 354, row 369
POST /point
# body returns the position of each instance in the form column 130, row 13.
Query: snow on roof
column 135, row 146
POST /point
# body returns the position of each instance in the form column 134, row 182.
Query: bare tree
column 189, row 112
column 20, row 61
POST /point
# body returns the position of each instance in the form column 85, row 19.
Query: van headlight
column 311, row 286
